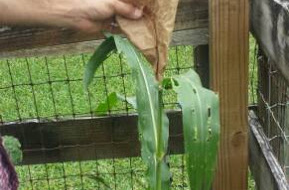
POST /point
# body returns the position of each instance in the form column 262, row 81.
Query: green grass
column 63, row 98
column 68, row 97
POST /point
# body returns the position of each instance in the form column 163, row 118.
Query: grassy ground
column 46, row 88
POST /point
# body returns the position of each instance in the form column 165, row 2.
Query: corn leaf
column 99, row 56
column 201, row 124
column 152, row 122
column 129, row 100
column 108, row 104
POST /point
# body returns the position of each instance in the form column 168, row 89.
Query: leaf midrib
column 198, row 97
column 150, row 99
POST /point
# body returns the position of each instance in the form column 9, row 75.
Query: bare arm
column 86, row 15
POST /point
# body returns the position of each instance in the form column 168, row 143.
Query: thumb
column 127, row 10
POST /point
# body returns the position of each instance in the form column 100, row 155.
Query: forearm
column 86, row 15
column 36, row 12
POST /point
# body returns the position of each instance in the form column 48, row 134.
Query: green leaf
column 167, row 83
column 13, row 148
column 201, row 124
column 108, row 104
column 152, row 122
column 129, row 100
column 99, row 56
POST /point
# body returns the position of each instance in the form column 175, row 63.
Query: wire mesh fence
column 50, row 89
column 273, row 109
column 117, row 174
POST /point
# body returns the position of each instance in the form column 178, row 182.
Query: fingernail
column 137, row 13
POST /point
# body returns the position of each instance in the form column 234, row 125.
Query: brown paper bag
column 152, row 34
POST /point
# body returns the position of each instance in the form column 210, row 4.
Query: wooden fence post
column 229, row 46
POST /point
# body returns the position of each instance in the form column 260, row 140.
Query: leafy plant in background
column 13, row 148
column 200, row 109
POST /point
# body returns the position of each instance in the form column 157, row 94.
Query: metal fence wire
column 50, row 89
column 273, row 109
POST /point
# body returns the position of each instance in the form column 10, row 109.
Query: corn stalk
column 200, row 117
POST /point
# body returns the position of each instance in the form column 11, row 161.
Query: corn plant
column 200, row 117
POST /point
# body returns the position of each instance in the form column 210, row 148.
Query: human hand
column 90, row 15
column 86, row 15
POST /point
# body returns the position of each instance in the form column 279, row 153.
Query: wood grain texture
column 269, row 24
column 197, row 36
column 191, row 14
column 86, row 138
column 263, row 164
column 286, row 148
column 229, row 48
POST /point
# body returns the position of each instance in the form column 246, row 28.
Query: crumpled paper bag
column 152, row 33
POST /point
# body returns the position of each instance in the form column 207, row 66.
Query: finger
column 127, row 10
